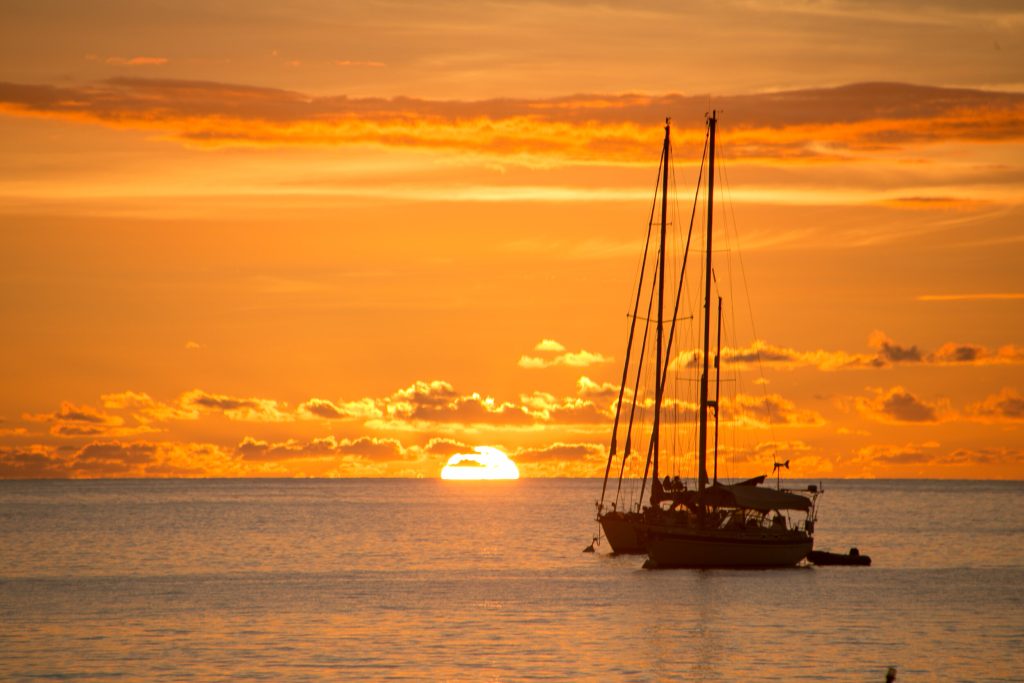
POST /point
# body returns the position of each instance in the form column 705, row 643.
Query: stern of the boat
column 624, row 531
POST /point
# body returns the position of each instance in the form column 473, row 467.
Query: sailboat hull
column 625, row 532
column 668, row 547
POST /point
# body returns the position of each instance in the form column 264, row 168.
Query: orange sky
column 255, row 240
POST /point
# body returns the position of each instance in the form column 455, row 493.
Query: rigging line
column 636, row 389
column 730, row 329
column 629, row 346
column 750, row 311
column 733, row 433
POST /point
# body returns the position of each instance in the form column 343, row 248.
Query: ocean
column 296, row 580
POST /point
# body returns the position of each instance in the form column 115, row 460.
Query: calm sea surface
column 413, row 580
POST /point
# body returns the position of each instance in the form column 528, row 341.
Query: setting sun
column 485, row 463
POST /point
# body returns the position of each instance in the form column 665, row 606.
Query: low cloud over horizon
column 412, row 430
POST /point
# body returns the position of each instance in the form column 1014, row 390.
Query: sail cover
column 755, row 498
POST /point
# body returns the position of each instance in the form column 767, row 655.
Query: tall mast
column 659, row 389
column 702, row 448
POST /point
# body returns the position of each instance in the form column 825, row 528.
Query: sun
column 485, row 463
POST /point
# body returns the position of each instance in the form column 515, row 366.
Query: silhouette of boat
column 714, row 525
column 852, row 558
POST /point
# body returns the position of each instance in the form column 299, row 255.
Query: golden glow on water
column 484, row 463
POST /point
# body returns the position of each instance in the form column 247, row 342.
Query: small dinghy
column 853, row 558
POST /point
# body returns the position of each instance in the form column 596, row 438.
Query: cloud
column 73, row 421
column 437, row 402
column 129, row 61
column 972, row 354
column 886, row 353
column 908, row 454
column 33, row 462
column 365, row 448
column 588, row 388
column 891, row 352
column 562, row 452
column 137, row 61
column 763, row 354
column 562, row 459
column 549, row 345
column 570, row 410
column 899, row 406
column 799, row 125
column 742, row 410
column 322, row 408
column 766, row 411
column 1005, row 407
column 113, row 459
column 445, row 447
column 992, row 296
column 192, row 345
column 578, row 359
column 357, row 62
column 760, row 457
column 69, row 412
column 145, row 409
column 373, row 448
column 116, row 458
column 931, row 454
column 242, row 409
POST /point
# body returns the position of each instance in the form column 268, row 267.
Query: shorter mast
column 718, row 382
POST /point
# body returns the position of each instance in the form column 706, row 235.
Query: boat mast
column 702, row 448
column 718, row 383
column 659, row 389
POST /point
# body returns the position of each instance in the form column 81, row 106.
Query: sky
column 353, row 239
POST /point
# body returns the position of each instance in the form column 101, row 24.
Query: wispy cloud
column 368, row 448
column 993, row 296
column 932, row 454
column 358, row 62
column 137, row 61
column 116, row 458
column 886, row 353
column 795, row 126
column 129, row 61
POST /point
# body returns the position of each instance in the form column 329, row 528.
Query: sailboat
column 714, row 524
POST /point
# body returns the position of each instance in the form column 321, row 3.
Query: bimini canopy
column 754, row 498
